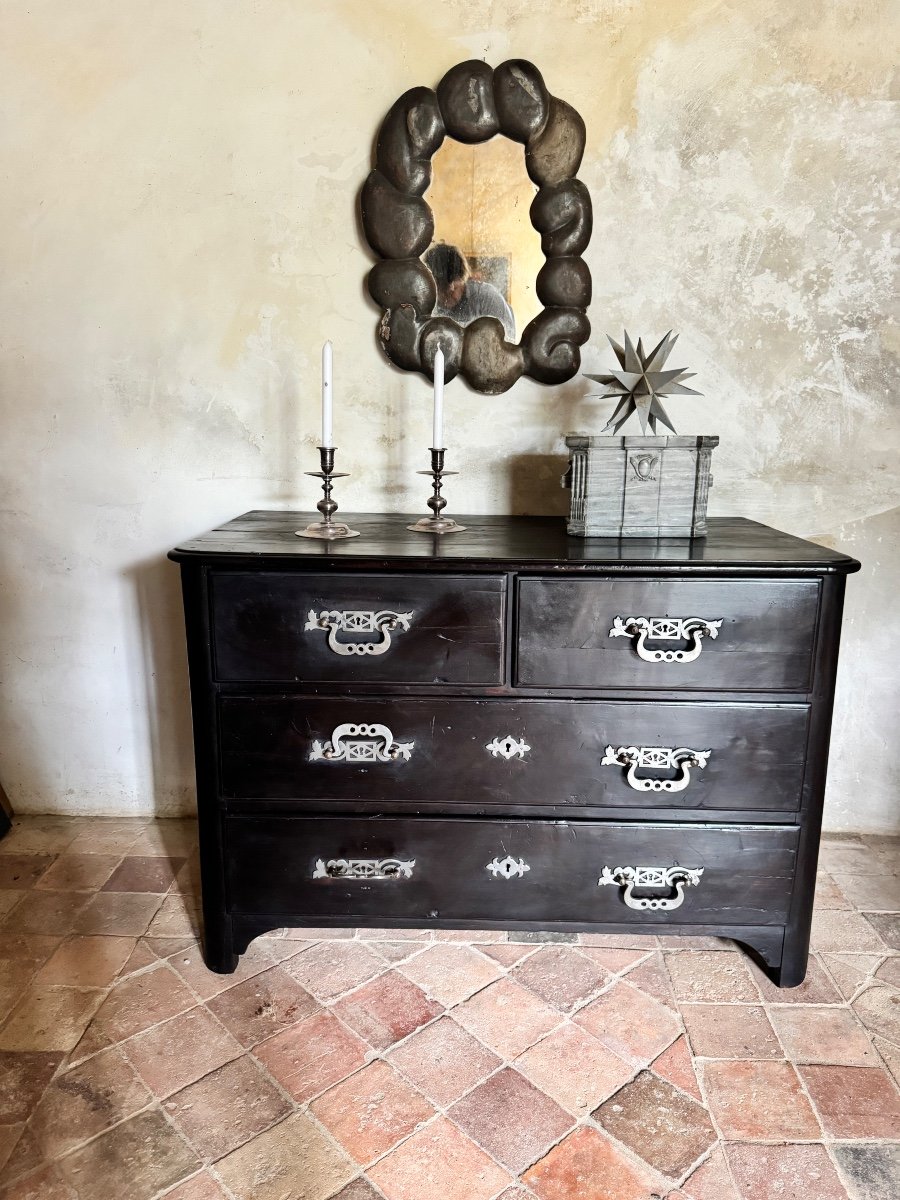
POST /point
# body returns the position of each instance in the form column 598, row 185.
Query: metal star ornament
column 640, row 381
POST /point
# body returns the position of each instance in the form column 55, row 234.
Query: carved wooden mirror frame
column 473, row 103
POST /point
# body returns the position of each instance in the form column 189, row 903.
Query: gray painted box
column 638, row 486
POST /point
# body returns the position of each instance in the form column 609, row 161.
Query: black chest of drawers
column 511, row 728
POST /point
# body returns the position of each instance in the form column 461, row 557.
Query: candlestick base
column 327, row 529
column 436, row 502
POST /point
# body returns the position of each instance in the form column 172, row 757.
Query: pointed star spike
column 618, row 351
column 660, row 353
column 620, row 416
column 659, row 379
column 651, row 421
column 642, row 406
column 640, row 351
column 632, row 362
column 675, row 389
column 628, row 379
column 621, row 421
column 659, row 413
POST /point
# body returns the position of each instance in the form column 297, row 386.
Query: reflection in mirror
column 481, row 198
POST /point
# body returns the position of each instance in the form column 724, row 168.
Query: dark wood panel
column 731, row 543
column 455, row 632
column 746, row 879
column 765, row 641
column 268, row 751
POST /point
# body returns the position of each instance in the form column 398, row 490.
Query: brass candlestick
column 327, row 528
column 436, row 502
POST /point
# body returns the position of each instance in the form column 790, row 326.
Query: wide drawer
column 462, row 870
column 281, row 626
column 488, row 753
column 733, row 635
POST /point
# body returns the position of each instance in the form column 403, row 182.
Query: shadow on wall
column 157, row 587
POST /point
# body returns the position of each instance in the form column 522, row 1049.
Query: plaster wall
column 178, row 238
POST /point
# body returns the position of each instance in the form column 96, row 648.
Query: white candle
column 437, row 437
column 326, row 395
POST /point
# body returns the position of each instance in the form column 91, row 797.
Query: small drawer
column 336, row 628
column 539, row 871
column 476, row 755
column 730, row 635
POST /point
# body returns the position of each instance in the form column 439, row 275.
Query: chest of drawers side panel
column 218, row 941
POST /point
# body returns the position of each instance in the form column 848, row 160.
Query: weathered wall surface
column 179, row 237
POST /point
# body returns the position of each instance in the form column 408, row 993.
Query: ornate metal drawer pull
column 508, row 748
column 364, row 868
column 659, row 758
column 353, row 620
column 666, row 629
column 647, row 877
column 508, row 868
column 361, row 743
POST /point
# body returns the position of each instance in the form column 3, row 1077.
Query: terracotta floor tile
column 630, row 1023
column 391, row 935
column 23, row 1077
column 226, row 1108
column 312, row 1056
column 849, row 858
column 170, row 1056
column 262, row 1006
column 166, row 947
column 291, row 1161
column 879, row 1010
column 359, row 1189
column 85, row 961
column 438, row 1161
column 371, row 1111
column 612, row 960
column 676, row 1065
column 32, row 948
column 15, row 978
column 710, row 975
column 828, row 894
column 574, row 1069
column 652, row 977
column 478, row 937
column 85, row 1100
column 189, row 964
column 8, row 901
column 47, row 1183
column 561, row 975
column 730, row 1031
column 397, row 952
column 871, row 893
column 450, row 973
column 511, row 1119
column 18, row 872
column 507, row 1017
column 443, row 1060
column 542, row 936
column 889, row 971
column 140, row 957
column 854, row 1102
column 276, row 948
column 49, row 1018
column 329, row 969
column 308, row 934
column 587, row 1166
column 665, row 1128
column 890, row 1056
column 784, row 1173
column 823, row 1035
column 386, row 1009
column 26, row 1158
column 200, row 1187
column 711, row 1181
column 138, row 1158
column 177, row 916
column 873, row 1171
column 167, row 837
column 78, row 872
column 619, row 941
column 46, row 912
column 843, row 931
column 143, row 1000
column 885, row 924
column 9, row 1139
column 816, row 988
column 141, row 873
column 508, row 955
column 754, row 1101
column 126, row 914
column 850, row 971
column 99, row 840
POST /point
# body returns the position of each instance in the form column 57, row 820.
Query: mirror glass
column 481, row 196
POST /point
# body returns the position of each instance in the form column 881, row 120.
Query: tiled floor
column 417, row 1067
